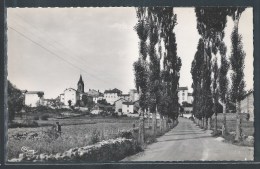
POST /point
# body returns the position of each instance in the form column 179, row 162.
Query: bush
column 24, row 123
column 36, row 118
column 95, row 136
column 45, row 117
column 125, row 134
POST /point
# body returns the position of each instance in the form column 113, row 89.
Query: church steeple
column 80, row 85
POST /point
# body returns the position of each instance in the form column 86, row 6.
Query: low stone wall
column 109, row 150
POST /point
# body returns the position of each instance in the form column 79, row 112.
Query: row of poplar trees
column 210, row 79
column 157, row 68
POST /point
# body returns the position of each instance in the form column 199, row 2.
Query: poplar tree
column 141, row 69
column 223, row 83
column 237, row 66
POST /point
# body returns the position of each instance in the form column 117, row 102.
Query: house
column 71, row 96
column 76, row 97
column 125, row 96
column 133, row 95
column 190, row 98
column 127, row 108
column 183, row 94
column 33, row 98
column 98, row 108
column 99, row 97
column 112, row 95
column 118, row 104
column 247, row 105
column 96, row 95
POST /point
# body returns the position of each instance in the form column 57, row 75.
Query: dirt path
column 187, row 142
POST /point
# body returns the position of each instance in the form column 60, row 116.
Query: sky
column 48, row 48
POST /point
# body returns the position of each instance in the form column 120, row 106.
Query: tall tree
column 237, row 66
column 15, row 100
column 196, row 72
column 154, row 66
column 211, row 22
column 141, row 67
column 215, row 91
column 223, row 83
column 171, row 62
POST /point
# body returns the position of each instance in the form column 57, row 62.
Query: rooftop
column 34, row 92
column 115, row 90
column 183, row 88
column 128, row 103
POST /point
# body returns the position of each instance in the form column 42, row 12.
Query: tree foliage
column 15, row 100
column 237, row 66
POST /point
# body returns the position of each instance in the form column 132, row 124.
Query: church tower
column 80, row 85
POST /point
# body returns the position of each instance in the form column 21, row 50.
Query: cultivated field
column 76, row 132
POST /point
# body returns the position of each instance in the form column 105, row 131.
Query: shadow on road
column 174, row 134
column 192, row 138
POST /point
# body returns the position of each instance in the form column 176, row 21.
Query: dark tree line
column 210, row 81
column 157, row 83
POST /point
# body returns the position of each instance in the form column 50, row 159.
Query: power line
column 60, row 44
column 51, row 52
column 52, row 46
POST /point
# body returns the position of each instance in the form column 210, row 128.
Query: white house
column 34, row 98
column 112, row 95
column 127, row 107
column 183, row 94
column 71, row 95
column 118, row 104
column 190, row 98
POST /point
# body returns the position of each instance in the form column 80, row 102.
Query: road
column 187, row 142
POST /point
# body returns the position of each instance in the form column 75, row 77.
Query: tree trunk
column 216, row 123
column 238, row 125
column 206, row 124
column 148, row 119
column 203, row 122
column 141, row 128
column 209, row 123
column 161, row 123
column 224, row 127
column 154, row 126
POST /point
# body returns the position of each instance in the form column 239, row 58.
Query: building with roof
column 190, row 98
column 118, row 104
column 33, row 98
column 125, row 96
column 71, row 96
column 183, row 94
column 127, row 108
column 247, row 105
column 112, row 95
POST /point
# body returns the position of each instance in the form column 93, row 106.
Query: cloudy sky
column 48, row 48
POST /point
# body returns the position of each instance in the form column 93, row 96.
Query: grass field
column 76, row 132
column 247, row 126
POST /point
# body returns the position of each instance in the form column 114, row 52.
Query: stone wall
column 109, row 150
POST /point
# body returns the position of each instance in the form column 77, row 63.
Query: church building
column 70, row 96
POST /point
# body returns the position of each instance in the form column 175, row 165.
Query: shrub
column 45, row 117
column 36, row 118
column 24, row 123
column 125, row 134
column 95, row 136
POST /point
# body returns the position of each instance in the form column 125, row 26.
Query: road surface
column 187, row 142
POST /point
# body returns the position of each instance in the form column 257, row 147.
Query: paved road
column 187, row 142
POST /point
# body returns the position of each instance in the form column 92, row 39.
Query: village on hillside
column 95, row 102
column 130, row 84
